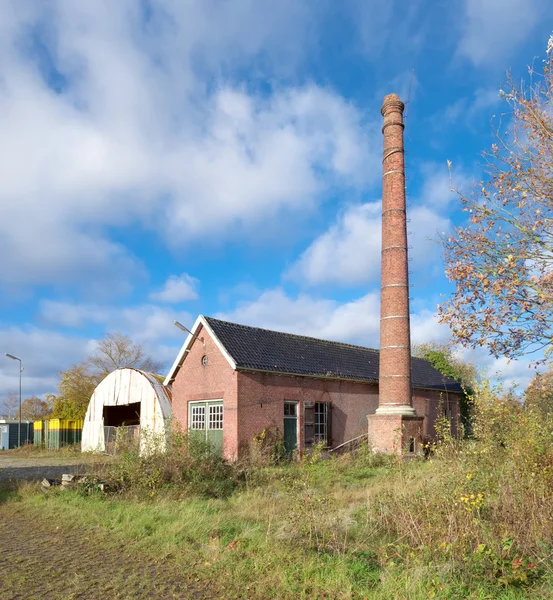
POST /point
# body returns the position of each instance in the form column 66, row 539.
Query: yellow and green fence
column 54, row 434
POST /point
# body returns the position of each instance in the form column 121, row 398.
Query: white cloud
column 145, row 322
column 493, row 29
column 348, row 253
column 513, row 373
column 425, row 327
column 467, row 109
column 107, row 124
column 178, row 288
column 43, row 352
column 356, row 321
column 46, row 351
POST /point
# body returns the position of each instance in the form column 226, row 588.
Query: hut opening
column 122, row 416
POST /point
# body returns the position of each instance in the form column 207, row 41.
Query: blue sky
column 164, row 158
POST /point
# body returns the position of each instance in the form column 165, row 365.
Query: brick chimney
column 395, row 427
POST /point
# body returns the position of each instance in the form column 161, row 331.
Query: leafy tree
column 75, row 389
column 118, row 351
column 34, row 408
column 501, row 261
column 115, row 351
column 539, row 393
column 442, row 357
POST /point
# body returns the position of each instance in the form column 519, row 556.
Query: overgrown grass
column 475, row 521
column 35, row 450
column 31, row 451
column 303, row 534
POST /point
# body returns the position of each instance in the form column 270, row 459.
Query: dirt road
column 49, row 560
column 35, row 468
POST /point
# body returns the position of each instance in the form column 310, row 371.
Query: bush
column 188, row 465
column 486, row 508
column 266, row 449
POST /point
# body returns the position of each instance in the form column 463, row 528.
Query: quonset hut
column 127, row 403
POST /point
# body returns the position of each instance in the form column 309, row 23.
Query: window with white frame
column 216, row 416
column 321, row 422
column 290, row 409
column 198, row 417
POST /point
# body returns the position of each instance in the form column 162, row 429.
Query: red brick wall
column 261, row 399
column 262, row 395
column 429, row 404
column 214, row 381
column 253, row 401
column 392, row 433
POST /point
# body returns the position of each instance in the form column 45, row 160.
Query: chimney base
column 396, row 409
column 393, row 433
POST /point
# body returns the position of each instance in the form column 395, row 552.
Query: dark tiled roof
column 277, row 352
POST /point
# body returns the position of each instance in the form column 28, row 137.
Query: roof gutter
column 336, row 378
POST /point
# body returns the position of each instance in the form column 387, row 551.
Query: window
column 290, row 409
column 321, row 422
column 204, row 360
column 411, row 444
column 216, row 416
column 198, row 417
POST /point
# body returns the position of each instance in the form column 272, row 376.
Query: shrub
column 184, row 463
column 266, row 449
column 485, row 510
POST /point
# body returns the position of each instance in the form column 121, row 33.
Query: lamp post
column 20, row 371
column 182, row 327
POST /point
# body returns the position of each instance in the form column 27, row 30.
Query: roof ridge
column 294, row 335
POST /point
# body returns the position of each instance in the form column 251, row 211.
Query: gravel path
column 36, row 468
column 41, row 559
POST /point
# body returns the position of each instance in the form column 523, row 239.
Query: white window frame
column 195, row 411
column 293, row 403
column 215, row 417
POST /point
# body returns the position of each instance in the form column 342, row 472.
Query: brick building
column 231, row 381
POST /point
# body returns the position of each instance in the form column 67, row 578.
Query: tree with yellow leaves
column 501, row 260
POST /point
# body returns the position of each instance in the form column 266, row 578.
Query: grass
column 34, row 450
column 473, row 522
column 307, row 532
column 70, row 453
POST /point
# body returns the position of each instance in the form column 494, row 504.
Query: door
column 290, row 426
column 214, row 430
column 205, row 420
column 4, row 437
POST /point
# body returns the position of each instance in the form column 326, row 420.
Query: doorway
column 290, row 426
column 205, row 420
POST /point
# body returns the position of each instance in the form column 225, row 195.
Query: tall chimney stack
column 395, row 426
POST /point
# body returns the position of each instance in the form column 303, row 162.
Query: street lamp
column 20, row 371
column 182, row 327
column 185, row 329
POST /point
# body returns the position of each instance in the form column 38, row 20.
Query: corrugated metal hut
column 9, row 433
column 128, row 403
column 54, row 434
